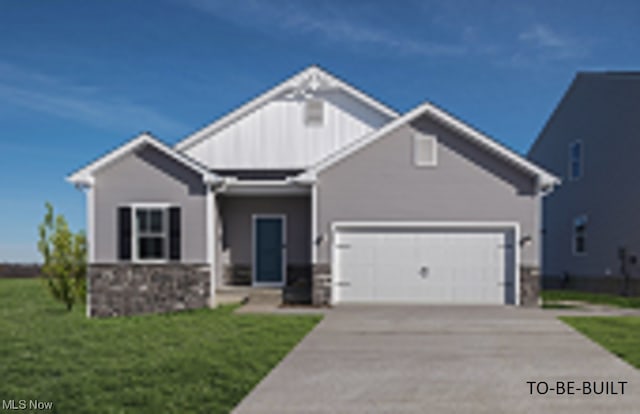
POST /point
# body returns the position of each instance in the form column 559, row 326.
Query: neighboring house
column 320, row 190
column 591, row 240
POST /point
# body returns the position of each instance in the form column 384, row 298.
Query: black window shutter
column 174, row 233
column 124, row 233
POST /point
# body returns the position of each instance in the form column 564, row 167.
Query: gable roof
column 84, row 176
column 588, row 79
column 312, row 74
column 545, row 179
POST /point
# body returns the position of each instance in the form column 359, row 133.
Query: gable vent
column 314, row 112
column 425, row 150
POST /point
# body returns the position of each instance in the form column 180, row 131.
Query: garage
column 425, row 263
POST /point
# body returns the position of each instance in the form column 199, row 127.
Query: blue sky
column 78, row 78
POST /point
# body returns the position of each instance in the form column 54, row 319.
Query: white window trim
column 134, row 231
column 434, row 161
column 570, row 161
column 573, row 234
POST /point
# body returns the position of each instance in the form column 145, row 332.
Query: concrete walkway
column 417, row 359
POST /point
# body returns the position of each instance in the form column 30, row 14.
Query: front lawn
column 553, row 296
column 618, row 334
column 189, row 362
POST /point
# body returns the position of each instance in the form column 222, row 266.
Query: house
column 590, row 238
column 320, row 190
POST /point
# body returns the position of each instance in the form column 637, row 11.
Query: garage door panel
column 425, row 265
column 360, row 288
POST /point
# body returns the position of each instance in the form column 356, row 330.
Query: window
column 151, row 233
column 314, row 112
column 580, row 235
column 425, row 150
column 575, row 160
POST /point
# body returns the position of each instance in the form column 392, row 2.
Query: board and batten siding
column 380, row 182
column 149, row 176
column 275, row 136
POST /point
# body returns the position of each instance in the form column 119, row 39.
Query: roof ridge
column 266, row 96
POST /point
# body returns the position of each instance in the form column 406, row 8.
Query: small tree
column 64, row 254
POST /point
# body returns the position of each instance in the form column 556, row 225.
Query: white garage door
column 430, row 264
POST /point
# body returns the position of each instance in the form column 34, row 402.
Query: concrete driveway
column 443, row 360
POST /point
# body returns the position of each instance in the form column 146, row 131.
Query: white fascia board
column 364, row 141
column 84, row 176
column 233, row 186
column 272, row 93
column 360, row 95
column 545, row 179
column 305, row 178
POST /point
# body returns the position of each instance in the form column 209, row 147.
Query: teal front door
column 268, row 250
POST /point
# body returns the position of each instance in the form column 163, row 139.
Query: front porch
column 264, row 239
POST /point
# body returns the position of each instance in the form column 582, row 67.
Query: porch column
column 211, row 224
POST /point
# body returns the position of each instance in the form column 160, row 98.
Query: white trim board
column 134, row 229
column 211, row 223
column 312, row 72
column 254, row 267
column 545, row 179
column 91, row 217
column 336, row 227
column 84, row 176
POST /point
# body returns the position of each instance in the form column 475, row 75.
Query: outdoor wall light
column 526, row 240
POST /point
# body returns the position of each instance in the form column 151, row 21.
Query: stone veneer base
column 529, row 286
column 131, row 289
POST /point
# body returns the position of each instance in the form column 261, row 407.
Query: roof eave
column 85, row 175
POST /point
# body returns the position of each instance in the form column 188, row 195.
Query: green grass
column 188, row 362
column 618, row 334
column 550, row 296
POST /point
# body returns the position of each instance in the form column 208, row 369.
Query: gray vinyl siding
column 149, row 176
column 237, row 233
column 601, row 110
column 380, row 183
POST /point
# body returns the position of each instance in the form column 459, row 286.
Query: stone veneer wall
column 321, row 284
column 529, row 286
column 131, row 289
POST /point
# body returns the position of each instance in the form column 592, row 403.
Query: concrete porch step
column 232, row 294
column 265, row 296
column 249, row 294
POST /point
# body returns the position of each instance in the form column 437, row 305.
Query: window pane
column 156, row 221
column 575, row 154
column 142, row 218
column 151, row 248
column 575, row 150
column 575, row 169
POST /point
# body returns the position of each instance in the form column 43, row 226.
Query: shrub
column 65, row 259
